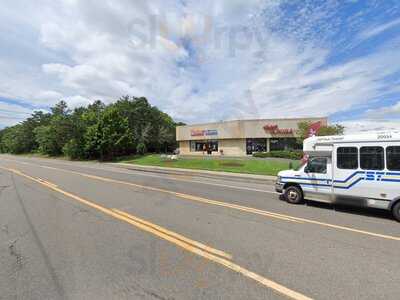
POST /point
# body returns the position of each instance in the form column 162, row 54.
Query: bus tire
column 294, row 195
column 396, row 211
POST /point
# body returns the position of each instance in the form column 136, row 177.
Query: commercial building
column 241, row 137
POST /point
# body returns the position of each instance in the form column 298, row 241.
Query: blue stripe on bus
column 392, row 173
column 368, row 176
column 390, row 180
column 349, row 186
column 315, row 184
column 350, row 177
column 303, row 178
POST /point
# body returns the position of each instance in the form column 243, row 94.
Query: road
column 74, row 230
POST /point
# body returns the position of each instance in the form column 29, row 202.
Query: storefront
column 242, row 137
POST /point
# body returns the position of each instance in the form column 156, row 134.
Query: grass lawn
column 250, row 166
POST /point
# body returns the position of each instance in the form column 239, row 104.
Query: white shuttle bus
column 360, row 170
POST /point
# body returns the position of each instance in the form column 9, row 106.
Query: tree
column 131, row 125
column 51, row 138
column 74, row 149
column 162, row 134
column 37, row 119
column 60, row 109
column 304, row 127
column 13, row 140
column 46, row 139
column 91, row 115
column 21, row 138
column 110, row 137
column 138, row 113
column 92, row 141
column 336, row 129
column 149, row 125
column 81, row 119
column 141, row 148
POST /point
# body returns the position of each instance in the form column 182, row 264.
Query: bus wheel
column 396, row 211
column 294, row 195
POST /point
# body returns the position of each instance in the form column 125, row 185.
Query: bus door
column 319, row 179
column 348, row 183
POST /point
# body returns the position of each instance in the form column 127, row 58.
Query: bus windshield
column 301, row 165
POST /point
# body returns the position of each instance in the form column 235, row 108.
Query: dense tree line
column 98, row 131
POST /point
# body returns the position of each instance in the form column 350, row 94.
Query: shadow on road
column 355, row 210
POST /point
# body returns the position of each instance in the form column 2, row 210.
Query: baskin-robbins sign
column 274, row 129
column 196, row 132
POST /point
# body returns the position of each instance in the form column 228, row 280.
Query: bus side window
column 393, row 158
column 347, row 158
column 372, row 158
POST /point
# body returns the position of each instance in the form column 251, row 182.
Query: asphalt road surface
column 72, row 230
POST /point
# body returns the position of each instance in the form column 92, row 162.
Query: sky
column 203, row 61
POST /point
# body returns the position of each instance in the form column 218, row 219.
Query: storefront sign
column 274, row 129
column 204, row 132
column 314, row 129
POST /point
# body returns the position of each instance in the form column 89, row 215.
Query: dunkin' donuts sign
column 274, row 129
column 195, row 132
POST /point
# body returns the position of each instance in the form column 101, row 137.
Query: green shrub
column 73, row 149
column 295, row 155
column 141, row 148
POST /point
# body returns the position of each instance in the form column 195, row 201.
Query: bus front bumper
column 279, row 187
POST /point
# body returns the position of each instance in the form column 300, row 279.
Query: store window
column 393, row 158
column 347, row 158
column 200, row 146
column 279, row 144
column 256, row 145
column 372, row 158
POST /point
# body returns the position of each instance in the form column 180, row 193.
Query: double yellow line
column 170, row 235
column 230, row 205
column 223, row 204
column 214, row 255
column 183, row 196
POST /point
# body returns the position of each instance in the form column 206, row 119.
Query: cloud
column 303, row 79
column 198, row 60
column 385, row 112
column 368, row 125
column 12, row 113
column 49, row 96
column 377, row 30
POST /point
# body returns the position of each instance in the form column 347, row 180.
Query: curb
column 201, row 173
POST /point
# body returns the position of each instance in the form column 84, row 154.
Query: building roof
column 257, row 120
